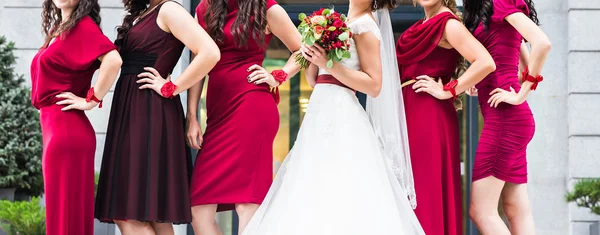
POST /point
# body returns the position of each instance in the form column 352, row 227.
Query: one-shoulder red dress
column 433, row 132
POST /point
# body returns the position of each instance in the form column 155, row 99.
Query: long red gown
column 433, row 132
column 508, row 128
column 235, row 164
column 67, row 65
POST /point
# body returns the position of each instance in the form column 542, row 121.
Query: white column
column 547, row 153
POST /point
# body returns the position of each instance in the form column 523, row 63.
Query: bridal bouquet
column 328, row 29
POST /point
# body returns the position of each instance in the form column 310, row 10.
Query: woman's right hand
column 194, row 133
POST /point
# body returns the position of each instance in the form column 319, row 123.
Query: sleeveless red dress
column 67, row 65
column 507, row 129
column 235, row 164
column 146, row 163
column 433, row 132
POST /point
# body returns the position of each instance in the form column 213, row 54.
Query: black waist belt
column 134, row 63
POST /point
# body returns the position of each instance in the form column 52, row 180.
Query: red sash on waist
column 328, row 79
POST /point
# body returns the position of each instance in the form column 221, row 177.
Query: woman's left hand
column 500, row 95
column 71, row 101
column 259, row 75
column 436, row 89
column 315, row 54
column 152, row 79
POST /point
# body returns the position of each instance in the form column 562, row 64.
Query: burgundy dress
column 507, row 129
column 67, row 65
column 146, row 163
column 235, row 164
column 433, row 132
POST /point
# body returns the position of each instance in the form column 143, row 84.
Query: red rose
column 338, row 23
column 319, row 12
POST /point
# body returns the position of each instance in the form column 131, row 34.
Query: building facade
column 566, row 146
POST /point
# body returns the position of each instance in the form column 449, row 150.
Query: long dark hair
column 251, row 19
column 134, row 8
column 52, row 25
column 478, row 11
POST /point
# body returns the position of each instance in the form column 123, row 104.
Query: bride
column 349, row 171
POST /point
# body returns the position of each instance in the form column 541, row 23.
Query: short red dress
column 67, row 65
column 508, row 128
column 235, row 164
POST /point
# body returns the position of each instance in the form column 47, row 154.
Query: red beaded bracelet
column 451, row 86
column 535, row 80
column 168, row 89
column 279, row 76
column 91, row 97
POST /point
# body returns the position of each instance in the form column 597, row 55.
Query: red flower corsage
column 168, row 89
column 279, row 76
column 451, row 87
column 91, row 97
column 535, row 80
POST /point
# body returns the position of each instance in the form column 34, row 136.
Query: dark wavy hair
column 134, row 8
column 52, row 25
column 478, row 11
column 379, row 4
column 251, row 19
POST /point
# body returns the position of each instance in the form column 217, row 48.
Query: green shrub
column 23, row 217
column 20, row 132
column 586, row 194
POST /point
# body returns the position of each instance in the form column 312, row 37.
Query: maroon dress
column 507, row 129
column 433, row 132
column 235, row 164
column 67, row 65
column 146, row 164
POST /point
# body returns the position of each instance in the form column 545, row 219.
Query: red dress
column 433, row 132
column 235, row 164
column 146, row 164
column 507, row 129
column 67, row 65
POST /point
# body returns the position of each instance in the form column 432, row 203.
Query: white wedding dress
column 335, row 180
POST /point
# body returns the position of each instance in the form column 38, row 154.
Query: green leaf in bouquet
column 332, row 28
column 337, row 59
column 330, row 64
column 339, row 53
column 310, row 40
column 326, row 12
column 346, row 55
column 344, row 36
column 301, row 16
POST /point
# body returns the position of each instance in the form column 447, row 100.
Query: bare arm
column 173, row 18
column 107, row 74
column 523, row 57
column 465, row 43
column 283, row 28
column 481, row 61
column 311, row 75
column 540, row 43
column 193, row 97
column 540, row 47
column 368, row 80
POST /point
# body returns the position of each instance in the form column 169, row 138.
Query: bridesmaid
column 500, row 170
column 144, row 181
column 234, row 168
column 61, row 75
column 429, row 53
